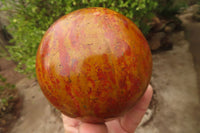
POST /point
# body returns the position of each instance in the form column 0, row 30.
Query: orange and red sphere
column 93, row 63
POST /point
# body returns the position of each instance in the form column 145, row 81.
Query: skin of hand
column 124, row 124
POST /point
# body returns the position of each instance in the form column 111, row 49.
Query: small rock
column 166, row 43
column 157, row 24
column 169, row 28
column 155, row 41
column 22, row 118
column 156, row 20
column 159, row 27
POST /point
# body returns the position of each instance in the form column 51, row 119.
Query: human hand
column 124, row 124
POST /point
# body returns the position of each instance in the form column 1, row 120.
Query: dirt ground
column 11, row 101
column 36, row 114
column 176, row 91
column 192, row 34
column 175, row 80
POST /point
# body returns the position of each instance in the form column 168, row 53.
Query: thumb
column 92, row 128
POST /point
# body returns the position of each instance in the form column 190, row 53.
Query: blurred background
column 172, row 28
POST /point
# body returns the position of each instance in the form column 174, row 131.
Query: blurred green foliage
column 2, row 52
column 31, row 18
column 169, row 8
column 2, row 78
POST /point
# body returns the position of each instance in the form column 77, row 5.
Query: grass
column 3, row 53
column 7, row 93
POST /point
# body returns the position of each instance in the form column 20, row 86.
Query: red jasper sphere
column 93, row 63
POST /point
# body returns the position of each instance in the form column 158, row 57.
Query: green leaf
column 31, row 18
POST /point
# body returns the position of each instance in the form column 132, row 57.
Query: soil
column 175, row 79
column 11, row 101
column 192, row 32
column 9, row 109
